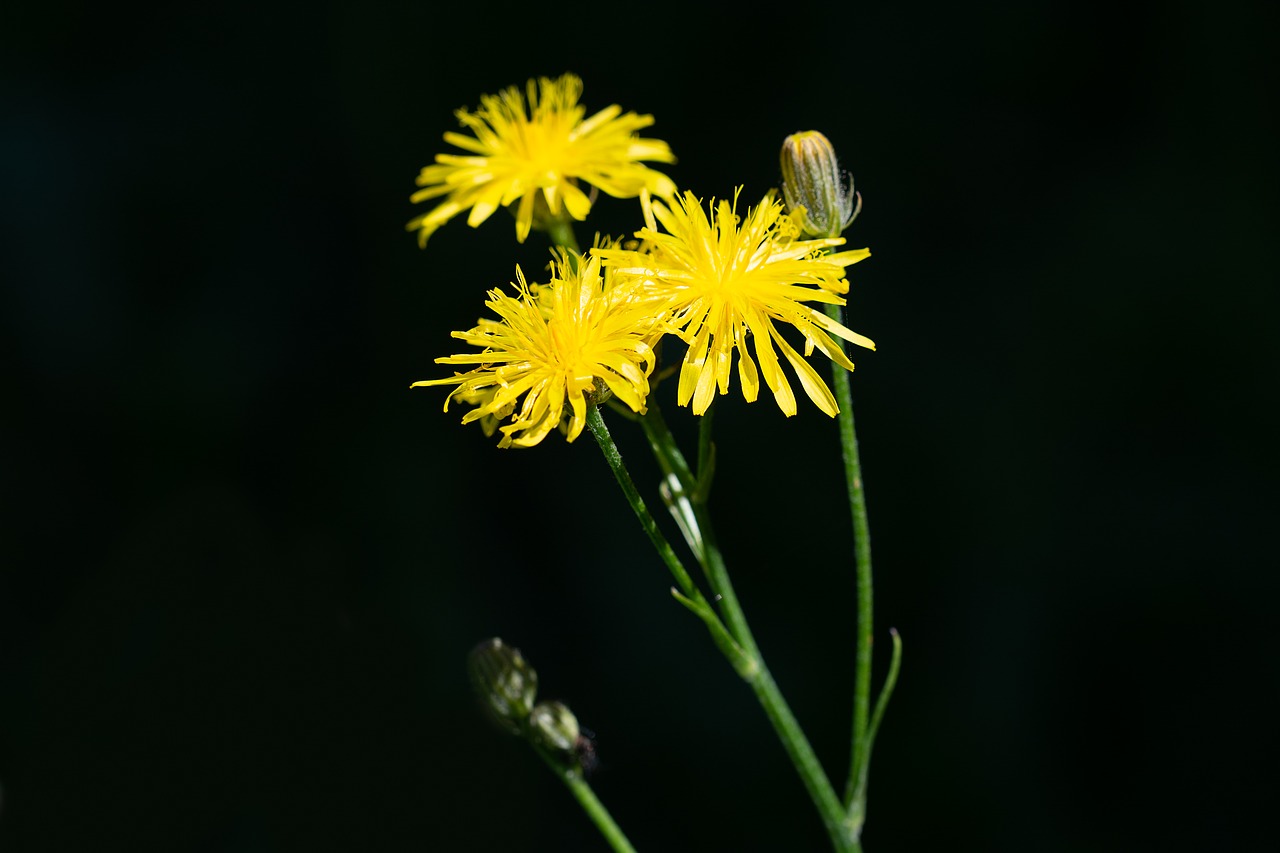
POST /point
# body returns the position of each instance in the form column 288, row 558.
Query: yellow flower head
column 726, row 281
column 591, row 341
column 544, row 151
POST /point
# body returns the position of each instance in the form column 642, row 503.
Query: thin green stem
column 704, row 441
column 692, row 596
column 573, row 779
column 679, row 488
column 718, row 577
column 770, row 697
column 560, row 230
column 882, row 702
column 663, row 443
column 595, row 422
column 855, row 788
column 761, row 680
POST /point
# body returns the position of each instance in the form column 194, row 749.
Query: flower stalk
column 758, row 677
column 595, row 810
column 821, row 198
column 855, row 789
column 771, row 699
column 506, row 686
column 560, row 230
column 688, row 594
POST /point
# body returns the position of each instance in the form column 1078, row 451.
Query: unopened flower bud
column 819, row 197
column 505, row 683
column 553, row 725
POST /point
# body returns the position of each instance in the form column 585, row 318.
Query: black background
column 243, row 563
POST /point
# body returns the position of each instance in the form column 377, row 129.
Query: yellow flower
column 542, row 153
column 591, row 341
column 727, row 281
column 483, row 398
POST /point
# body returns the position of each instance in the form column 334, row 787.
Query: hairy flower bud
column 505, row 683
column 820, row 198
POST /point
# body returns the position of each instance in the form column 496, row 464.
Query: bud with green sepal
column 553, row 727
column 505, row 683
column 819, row 197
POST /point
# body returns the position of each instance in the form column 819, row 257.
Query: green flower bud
column 505, row 683
column 553, row 726
column 819, row 197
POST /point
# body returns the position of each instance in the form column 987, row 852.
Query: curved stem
column 590, row 803
column 882, row 702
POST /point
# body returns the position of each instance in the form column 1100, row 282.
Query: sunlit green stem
column 760, row 679
column 573, row 779
column 856, row 788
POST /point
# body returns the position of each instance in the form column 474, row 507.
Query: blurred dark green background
column 243, row 563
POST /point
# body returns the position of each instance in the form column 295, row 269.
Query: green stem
column 760, row 679
column 692, row 596
column 704, row 442
column 560, row 230
column 663, row 443
column 590, row 803
column 856, row 789
column 770, row 697
column 679, row 486
column 882, row 702
column 595, row 422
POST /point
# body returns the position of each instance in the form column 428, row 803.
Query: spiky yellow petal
column 535, row 149
column 553, row 351
column 727, row 281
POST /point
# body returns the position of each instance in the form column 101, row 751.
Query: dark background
column 243, row 563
